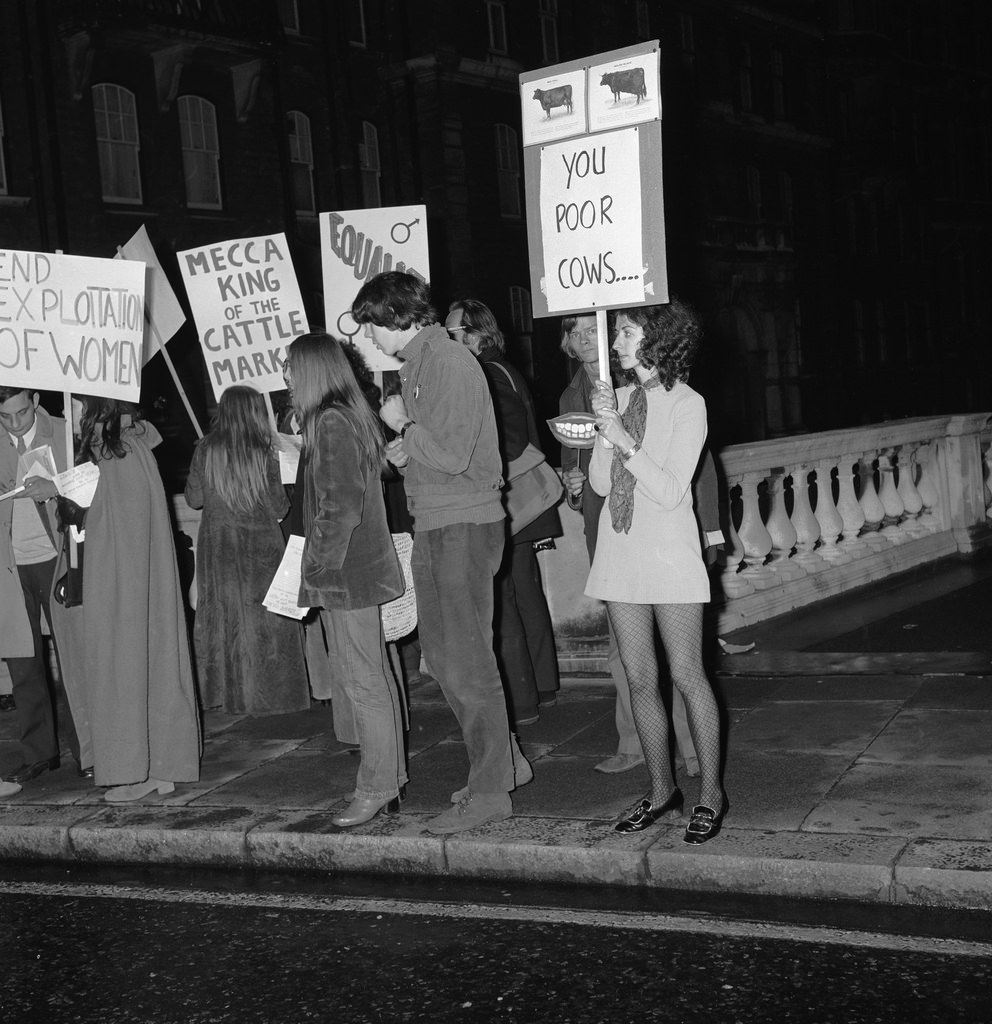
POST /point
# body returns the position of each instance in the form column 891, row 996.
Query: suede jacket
column 348, row 556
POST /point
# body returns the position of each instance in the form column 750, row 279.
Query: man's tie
column 21, row 446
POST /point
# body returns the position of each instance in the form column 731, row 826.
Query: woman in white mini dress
column 648, row 565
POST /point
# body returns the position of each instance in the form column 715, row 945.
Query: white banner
column 355, row 245
column 590, row 198
column 247, row 307
column 71, row 323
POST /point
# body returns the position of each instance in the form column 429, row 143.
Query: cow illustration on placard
column 631, row 80
column 559, row 97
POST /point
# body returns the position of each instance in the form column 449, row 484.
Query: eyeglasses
column 588, row 333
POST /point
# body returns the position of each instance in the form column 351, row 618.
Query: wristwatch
column 631, row 451
column 406, row 426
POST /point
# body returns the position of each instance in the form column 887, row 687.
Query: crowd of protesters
column 439, row 453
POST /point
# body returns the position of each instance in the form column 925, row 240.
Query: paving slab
column 776, row 790
column 829, row 727
column 913, row 801
column 297, row 779
column 934, row 736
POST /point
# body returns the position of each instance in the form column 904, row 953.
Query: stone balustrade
column 810, row 517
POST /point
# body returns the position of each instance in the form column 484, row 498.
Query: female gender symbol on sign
column 349, row 334
column 400, row 232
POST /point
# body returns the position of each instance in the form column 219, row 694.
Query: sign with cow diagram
column 596, row 219
column 557, row 108
column 624, row 91
column 247, row 308
column 355, row 245
column 72, row 323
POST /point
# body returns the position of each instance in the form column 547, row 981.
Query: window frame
column 370, row 166
column 110, row 148
column 508, row 171
column 198, row 154
column 301, row 156
column 496, row 20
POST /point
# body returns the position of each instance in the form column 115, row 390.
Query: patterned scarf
column 621, row 479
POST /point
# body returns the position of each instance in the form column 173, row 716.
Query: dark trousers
column 525, row 640
column 33, row 694
column 453, row 570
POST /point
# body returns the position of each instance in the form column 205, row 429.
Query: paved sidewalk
column 866, row 775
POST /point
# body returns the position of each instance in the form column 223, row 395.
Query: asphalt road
column 122, row 947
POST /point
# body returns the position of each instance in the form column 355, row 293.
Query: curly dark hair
column 101, row 428
column 672, row 334
column 394, row 300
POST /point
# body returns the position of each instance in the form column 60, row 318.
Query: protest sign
column 72, row 323
column 355, row 245
column 247, row 308
column 593, row 176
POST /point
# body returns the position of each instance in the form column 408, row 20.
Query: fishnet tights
column 681, row 629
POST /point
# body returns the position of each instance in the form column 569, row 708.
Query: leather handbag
column 532, row 487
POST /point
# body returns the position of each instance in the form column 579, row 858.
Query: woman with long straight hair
column 349, row 566
column 249, row 661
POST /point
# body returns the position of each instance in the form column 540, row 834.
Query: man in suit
column 28, row 550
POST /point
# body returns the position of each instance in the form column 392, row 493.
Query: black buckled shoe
column 645, row 815
column 704, row 824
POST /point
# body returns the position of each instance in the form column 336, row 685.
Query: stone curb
column 887, row 870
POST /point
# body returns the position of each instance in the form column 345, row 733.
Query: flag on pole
column 165, row 314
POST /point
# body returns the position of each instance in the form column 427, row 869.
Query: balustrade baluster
column 912, row 503
column 829, row 519
column 732, row 581
column 781, row 531
column 889, row 497
column 756, row 539
column 928, row 488
column 851, row 513
column 871, row 506
column 807, row 528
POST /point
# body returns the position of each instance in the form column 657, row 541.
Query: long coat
column 249, row 661
column 16, row 638
column 125, row 651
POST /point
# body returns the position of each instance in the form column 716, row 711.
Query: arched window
column 201, row 152
column 508, row 171
column 118, row 144
column 301, row 162
column 369, row 165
